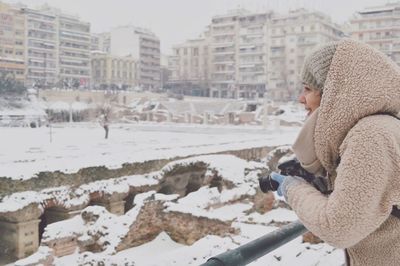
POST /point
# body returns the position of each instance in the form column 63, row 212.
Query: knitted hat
column 316, row 65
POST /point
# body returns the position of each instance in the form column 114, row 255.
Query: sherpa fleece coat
column 359, row 147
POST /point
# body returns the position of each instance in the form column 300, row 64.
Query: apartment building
column 74, row 52
column 41, row 50
column 54, row 47
column 379, row 27
column 252, row 55
column 165, row 73
column 101, row 42
column 292, row 36
column 239, row 53
column 115, row 72
column 12, row 41
column 256, row 54
column 189, row 66
column 144, row 46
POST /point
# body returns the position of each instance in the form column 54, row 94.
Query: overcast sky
column 175, row 21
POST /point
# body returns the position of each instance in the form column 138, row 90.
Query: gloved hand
column 278, row 178
column 284, row 182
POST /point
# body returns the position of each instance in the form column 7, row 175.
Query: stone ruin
column 114, row 199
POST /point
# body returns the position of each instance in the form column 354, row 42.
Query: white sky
column 175, row 21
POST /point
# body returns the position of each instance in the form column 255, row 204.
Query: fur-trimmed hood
column 361, row 81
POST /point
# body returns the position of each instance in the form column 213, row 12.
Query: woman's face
column 311, row 99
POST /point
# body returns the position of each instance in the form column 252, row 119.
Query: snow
column 170, row 253
column 42, row 252
column 292, row 113
column 65, row 228
column 78, row 145
column 162, row 243
column 75, row 146
column 68, row 197
column 275, row 215
column 228, row 166
column 19, row 200
column 110, row 228
column 197, row 203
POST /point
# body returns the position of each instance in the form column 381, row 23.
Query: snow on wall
column 69, row 197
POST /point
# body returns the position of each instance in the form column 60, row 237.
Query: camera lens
column 268, row 184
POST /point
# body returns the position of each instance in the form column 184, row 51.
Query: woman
column 352, row 95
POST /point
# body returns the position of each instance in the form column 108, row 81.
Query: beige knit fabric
column 361, row 82
column 303, row 146
column 317, row 64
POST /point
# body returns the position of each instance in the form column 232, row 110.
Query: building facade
column 379, row 27
column 254, row 55
column 238, row 46
column 74, row 52
column 12, row 42
column 291, row 37
column 54, row 47
column 41, row 48
column 113, row 72
column 189, row 67
column 101, row 42
column 144, row 47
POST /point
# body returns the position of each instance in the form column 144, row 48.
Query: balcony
column 225, row 71
column 226, row 44
column 223, row 33
column 277, row 55
column 224, row 52
column 306, row 42
column 251, row 52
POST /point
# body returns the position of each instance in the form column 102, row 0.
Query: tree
column 9, row 85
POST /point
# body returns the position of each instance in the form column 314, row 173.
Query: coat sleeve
column 360, row 202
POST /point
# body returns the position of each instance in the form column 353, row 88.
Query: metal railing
column 259, row 247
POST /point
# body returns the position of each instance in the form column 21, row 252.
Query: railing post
column 259, row 247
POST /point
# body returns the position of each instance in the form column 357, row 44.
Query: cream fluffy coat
column 361, row 84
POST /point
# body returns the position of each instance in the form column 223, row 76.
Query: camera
column 293, row 168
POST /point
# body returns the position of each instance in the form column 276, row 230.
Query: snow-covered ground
column 69, row 147
column 205, row 202
column 170, row 253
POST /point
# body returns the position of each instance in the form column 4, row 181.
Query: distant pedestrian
column 105, row 123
